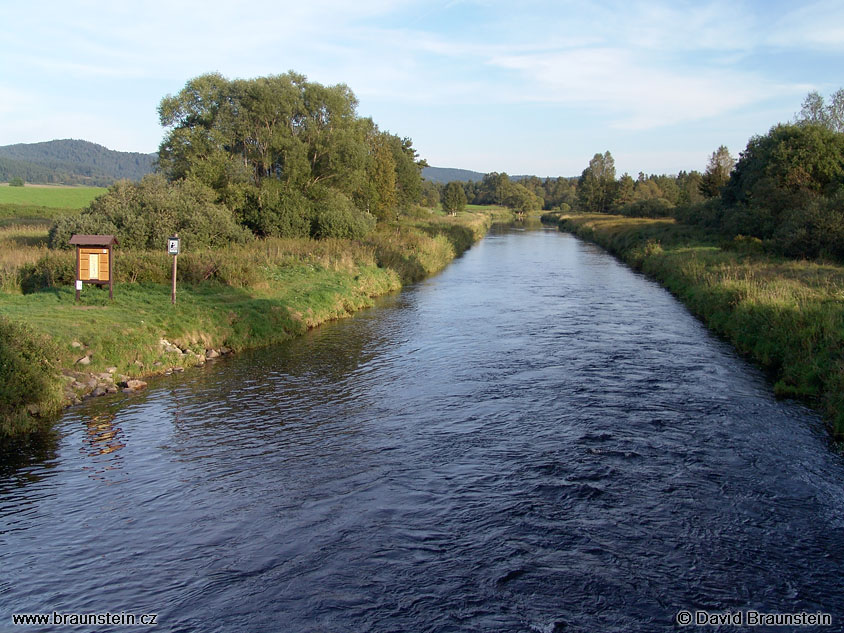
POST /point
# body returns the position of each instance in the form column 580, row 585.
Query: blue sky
column 524, row 87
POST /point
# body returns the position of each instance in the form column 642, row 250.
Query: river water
column 537, row 439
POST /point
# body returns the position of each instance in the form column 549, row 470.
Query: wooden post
column 175, row 257
column 110, row 273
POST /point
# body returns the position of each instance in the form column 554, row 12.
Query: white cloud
column 637, row 94
column 819, row 25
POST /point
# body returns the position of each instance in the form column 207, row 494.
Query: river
column 536, row 439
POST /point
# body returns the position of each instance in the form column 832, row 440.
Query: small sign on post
column 173, row 249
column 173, row 245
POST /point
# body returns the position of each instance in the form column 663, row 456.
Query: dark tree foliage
column 454, row 198
column 787, row 188
column 717, row 172
column 430, row 194
column 789, row 159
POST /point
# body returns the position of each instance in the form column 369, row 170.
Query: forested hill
column 445, row 175
column 72, row 162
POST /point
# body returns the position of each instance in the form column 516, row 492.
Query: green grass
column 242, row 296
column 786, row 315
column 55, row 197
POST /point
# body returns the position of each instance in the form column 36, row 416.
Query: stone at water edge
column 134, row 385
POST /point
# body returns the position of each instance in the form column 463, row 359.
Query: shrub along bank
column 240, row 296
column 787, row 315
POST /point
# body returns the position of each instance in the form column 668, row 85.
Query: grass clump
column 29, row 385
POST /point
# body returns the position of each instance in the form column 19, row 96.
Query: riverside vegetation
column 291, row 208
column 54, row 352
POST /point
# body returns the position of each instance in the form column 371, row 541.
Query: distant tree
column 493, row 188
column 520, row 199
column 472, row 189
column 646, row 189
column 558, row 192
column 717, row 172
column 815, row 111
column 689, row 185
column 626, row 188
column 596, row 187
column 16, row 182
column 381, row 177
column 454, row 198
column 669, row 188
column 430, row 194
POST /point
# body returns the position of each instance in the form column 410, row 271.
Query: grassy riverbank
column 244, row 296
column 786, row 315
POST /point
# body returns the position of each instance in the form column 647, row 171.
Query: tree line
column 785, row 190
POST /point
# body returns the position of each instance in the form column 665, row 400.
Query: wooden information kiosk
column 94, row 261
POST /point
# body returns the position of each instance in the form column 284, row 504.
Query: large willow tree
column 283, row 152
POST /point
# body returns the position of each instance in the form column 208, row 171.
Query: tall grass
column 20, row 246
column 787, row 315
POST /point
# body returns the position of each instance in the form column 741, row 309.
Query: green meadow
column 51, row 196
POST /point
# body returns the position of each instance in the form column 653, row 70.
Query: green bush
column 52, row 270
column 708, row 214
column 336, row 216
column 28, row 376
column 815, row 231
column 277, row 210
column 745, row 245
column 144, row 266
column 16, row 182
column 142, row 215
column 651, row 208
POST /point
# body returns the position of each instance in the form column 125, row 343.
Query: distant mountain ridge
column 444, row 175
column 72, row 162
column 76, row 162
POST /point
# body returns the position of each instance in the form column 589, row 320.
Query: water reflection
column 28, row 459
column 103, row 436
